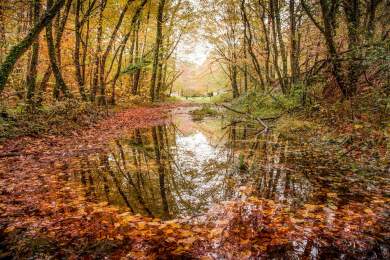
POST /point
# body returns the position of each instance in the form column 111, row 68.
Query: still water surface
column 184, row 167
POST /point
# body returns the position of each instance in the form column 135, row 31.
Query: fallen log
column 11, row 154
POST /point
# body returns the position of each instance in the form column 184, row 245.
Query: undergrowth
column 204, row 111
column 267, row 105
column 61, row 118
column 358, row 130
column 367, row 109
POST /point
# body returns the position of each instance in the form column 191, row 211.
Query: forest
column 194, row 129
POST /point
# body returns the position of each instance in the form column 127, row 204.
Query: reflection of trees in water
column 159, row 143
column 262, row 159
column 142, row 172
column 132, row 174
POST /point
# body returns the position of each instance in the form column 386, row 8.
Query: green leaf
column 132, row 68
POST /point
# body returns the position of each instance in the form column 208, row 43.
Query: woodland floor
column 42, row 214
column 33, row 197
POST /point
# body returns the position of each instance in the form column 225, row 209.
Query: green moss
column 226, row 97
column 266, row 105
column 291, row 127
column 203, row 112
column 296, row 124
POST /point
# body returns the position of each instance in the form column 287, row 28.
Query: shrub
column 206, row 110
column 60, row 118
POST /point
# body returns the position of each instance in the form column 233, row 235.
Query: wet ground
column 238, row 179
column 182, row 168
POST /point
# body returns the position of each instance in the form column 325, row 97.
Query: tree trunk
column 275, row 46
column 294, row 63
column 32, row 68
column 328, row 16
column 236, row 94
column 328, row 31
column 370, row 27
column 60, row 27
column 135, row 21
column 84, row 54
column 352, row 14
column 160, row 14
column 283, row 52
column 79, row 77
column 98, row 52
column 102, row 83
column 2, row 33
column 266, row 32
column 249, row 40
column 245, row 46
column 60, row 83
column 132, row 54
column 137, row 74
column 160, row 74
column 116, row 77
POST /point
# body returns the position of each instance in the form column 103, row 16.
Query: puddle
column 184, row 167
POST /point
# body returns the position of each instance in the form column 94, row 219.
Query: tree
column 54, row 54
column 32, row 68
column 103, row 59
column 19, row 49
column 135, row 23
column 2, row 33
column 79, row 25
column 158, row 43
column 346, row 72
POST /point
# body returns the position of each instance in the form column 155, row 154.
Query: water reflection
column 183, row 168
column 159, row 172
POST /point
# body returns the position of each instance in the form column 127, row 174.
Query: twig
column 234, row 110
column 262, row 123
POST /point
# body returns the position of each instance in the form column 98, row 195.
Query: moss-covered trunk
column 2, row 33
column 53, row 56
column 19, row 49
column 32, row 69
column 159, row 37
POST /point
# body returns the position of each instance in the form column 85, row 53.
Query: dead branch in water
column 251, row 117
